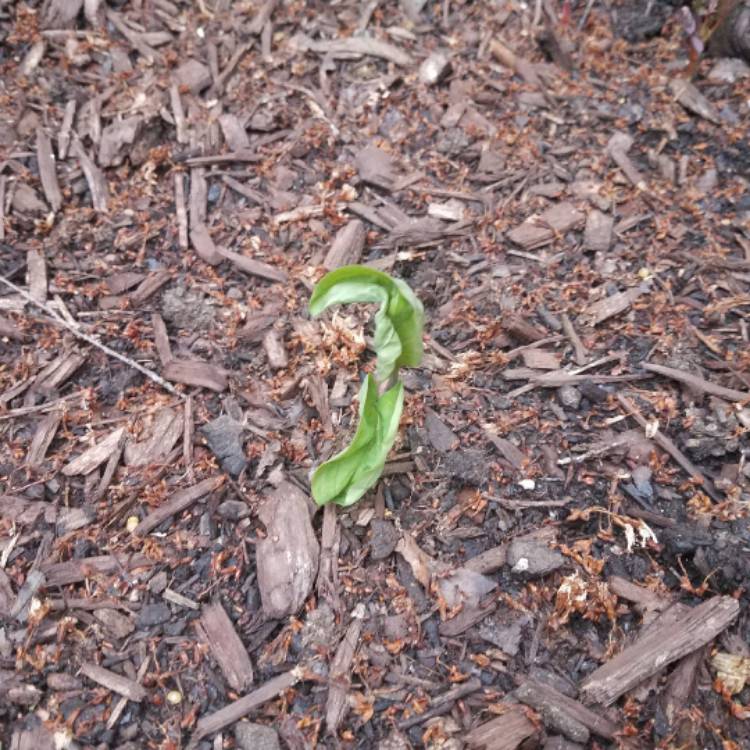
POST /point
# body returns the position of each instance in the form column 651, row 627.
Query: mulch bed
column 558, row 553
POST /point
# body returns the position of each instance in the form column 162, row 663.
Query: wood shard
column 347, row 246
column 130, row 689
column 94, row 177
column 608, row 307
column 697, row 383
column 203, row 244
column 196, row 373
column 689, row 97
column 47, row 171
column 43, row 436
column 556, row 708
column 540, row 230
column 253, row 267
column 180, row 501
column 597, row 236
column 94, row 456
column 659, row 648
column 75, row 571
column 278, row 359
column 287, row 558
column 340, row 671
column 505, row 732
column 235, row 711
column 226, row 647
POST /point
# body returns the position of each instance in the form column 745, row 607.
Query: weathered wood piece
column 226, row 647
column 129, row 689
column 566, row 715
column 287, row 558
column 538, row 231
column 75, row 571
column 340, row 670
column 180, row 501
column 506, row 732
column 347, row 246
column 94, row 456
column 658, row 648
column 241, row 707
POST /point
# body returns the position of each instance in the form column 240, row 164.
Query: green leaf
column 344, row 478
column 398, row 322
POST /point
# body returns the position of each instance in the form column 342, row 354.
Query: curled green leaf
column 344, row 478
column 398, row 322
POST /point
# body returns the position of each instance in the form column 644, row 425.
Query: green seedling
column 345, row 477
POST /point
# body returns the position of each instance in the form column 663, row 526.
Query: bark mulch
column 558, row 553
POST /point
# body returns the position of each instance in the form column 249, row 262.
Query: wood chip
column 540, row 230
column 553, row 706
column 203, row 244
column 539, row 359
column 226, row 647
column 468, row 617
column 129, row 689
column 94, row 456
column 234, row 133
column 275, row 350
column 149, row 286
column 689, row 97
column 347, row 246
column 441, row 437
column 617, row 147
column 37, row 271
column 195, row 373
column 659, row 648
column 581, row 353
column 613, row 305
column 166, row 430
column 505, row 732
column 193, row 76
column 376, row 167
column 355, row 45
column 287, row 558
column 253, row 267
column 697, row 383
column 94, row 177
column 75, row 571
column 339, row 677
column 180, row 501
column 45, row 433
column 47, row 171
column 597, row 236
column 235, row 711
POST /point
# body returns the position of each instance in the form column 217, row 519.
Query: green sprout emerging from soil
column 345, row 477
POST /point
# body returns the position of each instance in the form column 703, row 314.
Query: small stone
column 153, row 614
column 174, row 697
column 504, row 631
column 224, row 436
column 435, row 68
column 569, row 396
column 384, row 539
column 233, row 510
column 255, row 737
column 533, row 557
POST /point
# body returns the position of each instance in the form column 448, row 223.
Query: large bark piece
column 288, row 556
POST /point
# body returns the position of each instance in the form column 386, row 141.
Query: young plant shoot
column 345, row 477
